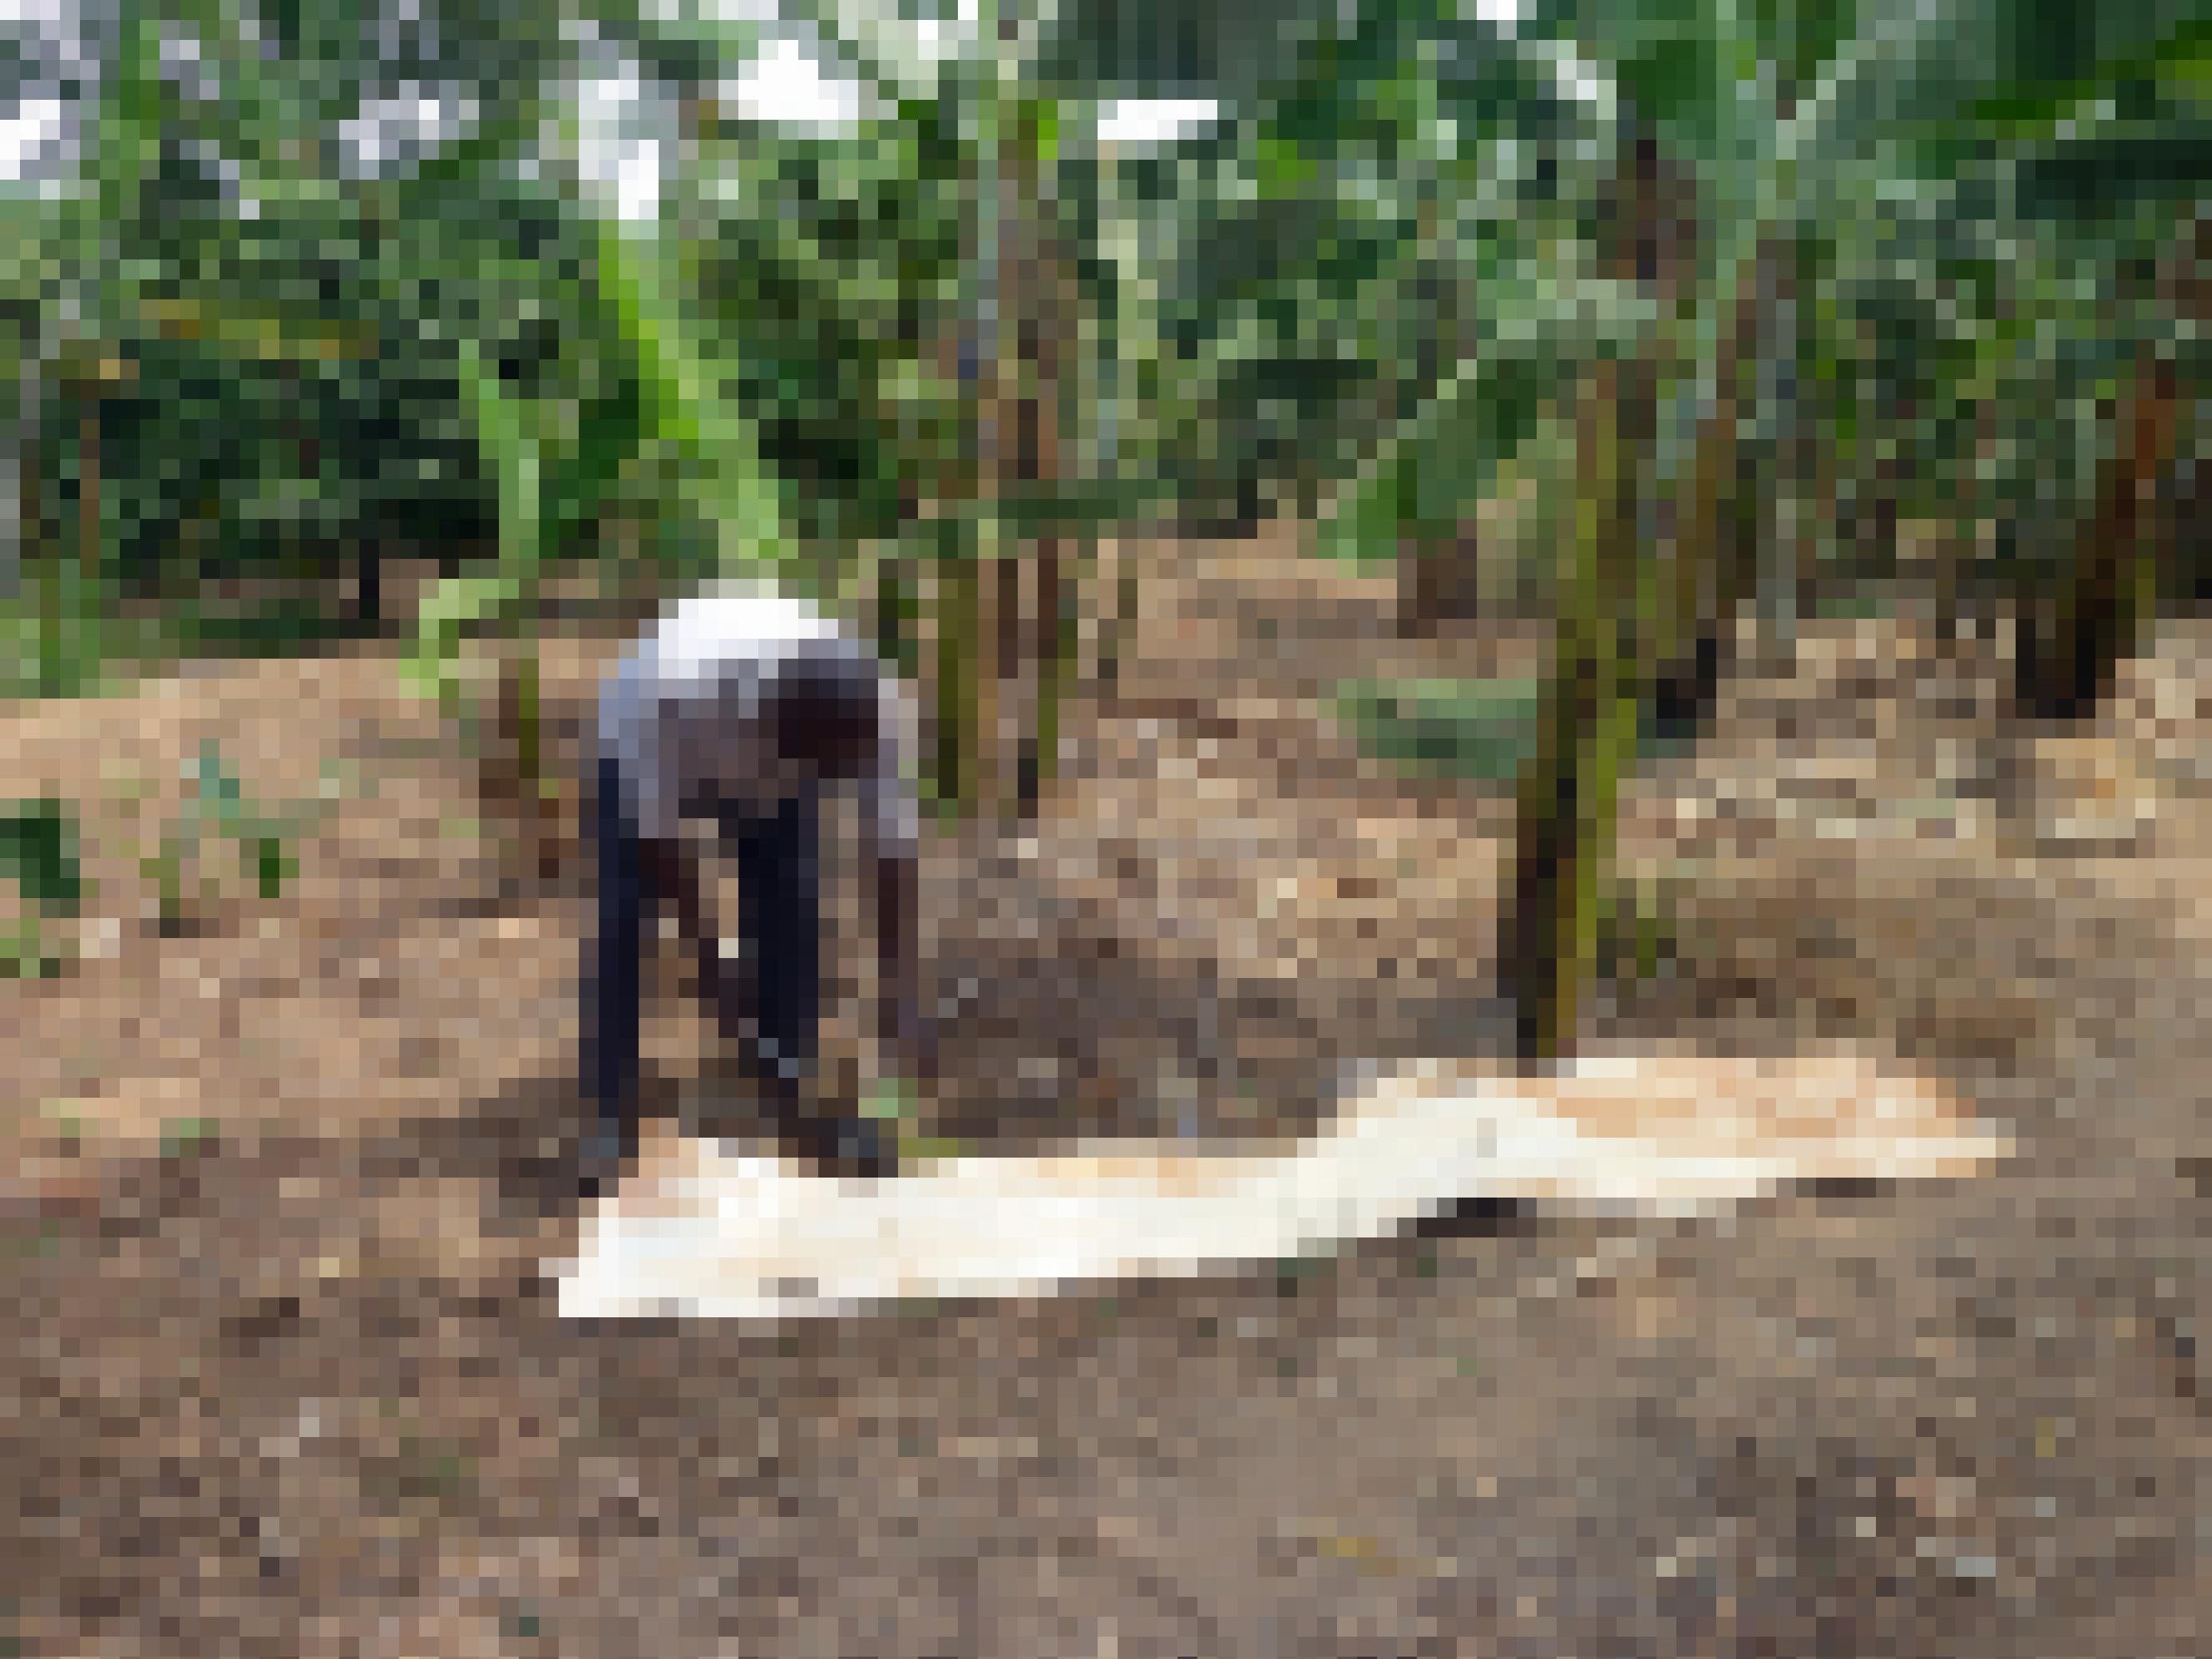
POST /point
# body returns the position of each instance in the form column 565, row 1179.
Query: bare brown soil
column 290, row 1383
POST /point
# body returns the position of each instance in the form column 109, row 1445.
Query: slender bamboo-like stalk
column 1787, row 566
column 368, row 582
column 1048, row 641
column 88, row 495
column 953, row 719
column 967, row 596
column 46, row 560
column 986, row 680
column 83, row 610
column 894, row 605
column 1054, row 668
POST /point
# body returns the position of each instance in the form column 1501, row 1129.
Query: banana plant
column 1359, row 271
column 1785, row 119
column 722, row 478
column 210, row 246
column 78, row 358
column 999, row 146
column 2114, row 172
column 516, row 451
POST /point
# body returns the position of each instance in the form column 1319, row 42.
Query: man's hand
column 913, row 1042
column 919, row 1045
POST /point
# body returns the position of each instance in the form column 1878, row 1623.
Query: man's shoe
column 606, row 1157
column 855, row 1148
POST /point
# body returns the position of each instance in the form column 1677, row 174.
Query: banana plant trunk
column 1047, row 642
column 88, row 495
column 1567, row 810
column 368, row 584
column 1439, row 574
column 1716, row 562
column 1568, row 796
column 21, row 462
column 1003, row 656
column 34, row 548
column 1055, row 660
column 1787, row 565
column 518, row 778
column 2073, row 648
column 1439, row 581
column 954, row 724
column 85, row 615
column 963, row 697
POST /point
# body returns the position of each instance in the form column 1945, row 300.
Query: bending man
column 740, row 710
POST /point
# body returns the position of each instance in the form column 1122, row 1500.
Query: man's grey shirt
column 681, row 715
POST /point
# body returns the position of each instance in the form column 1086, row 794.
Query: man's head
column 824, row 716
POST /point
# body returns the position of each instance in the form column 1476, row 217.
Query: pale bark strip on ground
column 705, row 1234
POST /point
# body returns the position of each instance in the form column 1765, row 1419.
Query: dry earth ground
column 294, row 1389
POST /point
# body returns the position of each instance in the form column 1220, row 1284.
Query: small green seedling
column 166, row 870
column 68, row 1123
column 218, row 806
column 890, row 1100
column 273, row 865
column 184, row 1136
column 919, row 1149
column 39, row 851
column 27, row 953
column 1640, row 929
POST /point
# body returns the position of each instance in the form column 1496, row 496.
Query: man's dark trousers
column 778, row 856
